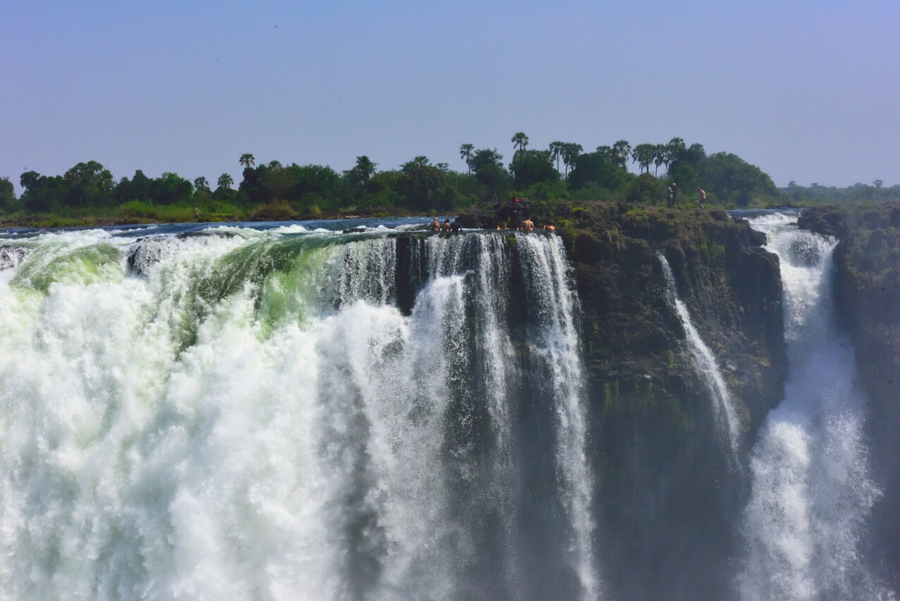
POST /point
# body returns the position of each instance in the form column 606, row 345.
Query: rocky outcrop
column 730, row 284
column 668, row 497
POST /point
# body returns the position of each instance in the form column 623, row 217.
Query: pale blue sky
column 807, row 90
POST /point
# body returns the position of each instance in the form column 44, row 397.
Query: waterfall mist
column 811, row 486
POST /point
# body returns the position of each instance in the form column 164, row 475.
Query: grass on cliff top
column 650, row 222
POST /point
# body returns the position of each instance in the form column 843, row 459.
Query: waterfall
column 705, row 364
column 811, row 487
column 292, row 415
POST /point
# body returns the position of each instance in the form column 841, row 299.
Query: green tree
column 686, row 165
column 609, row 155
column 733, row 180
column 600, row 168
column 659, row 157
column 532, row 167
column 674, row 149
column 643, row 155
column 225, row 181
column 645, row 189
column 556, row 151
column 465, row 153
column 277, row 182
column 487, row 165
column 137, row 188
column 7, row 195
column 170, row 188
column 570, row 152
column 315, row 185
column 201, row 184
column 356, row 180
column 363, row 171
column 425, row 186
column 43, row 193
column 383, row 190
column 520, row 141
column 247, row 160
column 90, row 184
column 621, row 150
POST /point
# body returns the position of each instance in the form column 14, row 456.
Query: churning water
column 811, row 487
column 284, row 414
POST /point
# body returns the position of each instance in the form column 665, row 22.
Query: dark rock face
column 867, row 297
column 668, row 499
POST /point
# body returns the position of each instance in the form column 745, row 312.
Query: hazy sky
column 807, row 90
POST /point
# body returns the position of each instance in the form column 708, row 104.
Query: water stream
column 706, row 366
column 811, row 486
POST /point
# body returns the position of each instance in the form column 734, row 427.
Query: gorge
column 288, row 413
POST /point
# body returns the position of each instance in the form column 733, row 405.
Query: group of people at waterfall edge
column 514, row 214
column 446, row 228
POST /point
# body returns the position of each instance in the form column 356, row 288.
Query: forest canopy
column 563, row 171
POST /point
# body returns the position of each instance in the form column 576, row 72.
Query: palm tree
column 365, row 168
column 673, row 151
column 520, row 140
column 247, row 160
column 643, row 155
column 571, row 152
column 201, row 184
column 225, row 181
column 622, row 150
column 660, row 156
column 556, row 151
column 465, row 153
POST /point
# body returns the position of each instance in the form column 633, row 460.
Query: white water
column 253, row 418
column 811, row 488
column 706, row 366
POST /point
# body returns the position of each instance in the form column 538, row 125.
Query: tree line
column 817, row 194
column 562, row 171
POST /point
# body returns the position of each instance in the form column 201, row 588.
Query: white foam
column 812, row 489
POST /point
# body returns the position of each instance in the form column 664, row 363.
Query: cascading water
column 705, row 363
column 283, row 415
column 811, row 488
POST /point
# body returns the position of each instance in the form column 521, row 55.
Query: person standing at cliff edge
column 674, row 194
column 702, row 193
column 516, row 211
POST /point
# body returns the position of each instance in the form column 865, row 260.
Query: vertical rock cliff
column 669, row 490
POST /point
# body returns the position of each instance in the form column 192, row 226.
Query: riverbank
column 186, row 216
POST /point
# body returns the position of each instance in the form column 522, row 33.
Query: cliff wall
column 669, row 493
column 670, row 497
